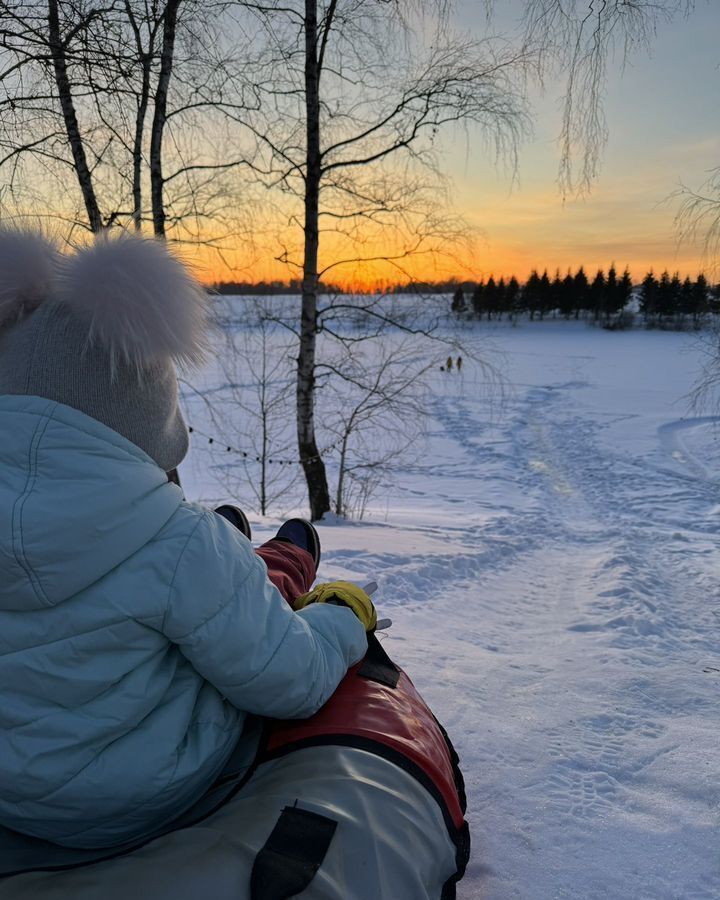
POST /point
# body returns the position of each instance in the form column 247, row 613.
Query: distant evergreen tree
column 490, row 297
column 665, row 301
column 545, row 294
column 568, row 300
column 625, row 289
column 581, row 292
column 649, row 297
column 501, row 304
column 555, row 293
column 699, row 305
column 458, row 301
column 610, row 294
column 596, row 295
column 687, row 298
column 532, row 294
column 669, row 295
column 513, row 297
column 676, row 295
column 617, row 292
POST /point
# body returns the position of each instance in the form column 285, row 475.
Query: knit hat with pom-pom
column 101, row 330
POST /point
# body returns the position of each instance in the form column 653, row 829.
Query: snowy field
column 550, row 563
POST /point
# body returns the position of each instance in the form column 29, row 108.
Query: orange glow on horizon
column 476, row 266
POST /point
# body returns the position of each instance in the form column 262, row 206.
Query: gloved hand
column 343, row 593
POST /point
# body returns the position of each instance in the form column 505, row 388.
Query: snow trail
column 566, row 633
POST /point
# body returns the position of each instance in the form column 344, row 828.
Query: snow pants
column 291, row 569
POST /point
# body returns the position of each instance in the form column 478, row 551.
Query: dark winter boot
column 303, row 534
column 236, row 517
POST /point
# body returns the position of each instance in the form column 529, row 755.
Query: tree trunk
column 339, row 499
column 263, row 464
column 82, row 170
column 146, row 58
column 160, row 117
column 137, row 146
column 313, row 466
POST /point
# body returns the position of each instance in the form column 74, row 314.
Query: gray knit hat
column 101, row 331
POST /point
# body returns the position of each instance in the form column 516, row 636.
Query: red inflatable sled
column 362, row 801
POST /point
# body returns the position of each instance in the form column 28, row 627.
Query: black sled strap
column 377, row 665
column 291, row 856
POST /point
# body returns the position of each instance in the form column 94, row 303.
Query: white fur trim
column 141, row 302
column 28, row 265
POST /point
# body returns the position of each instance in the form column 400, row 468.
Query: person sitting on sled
column 138, row 632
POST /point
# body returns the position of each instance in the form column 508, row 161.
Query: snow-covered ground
column 551, row 568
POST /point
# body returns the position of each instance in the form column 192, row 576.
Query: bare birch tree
column 108, row 93
column 353, row 100
column 40, row 44
column 144, row 26
column 378, row 412
column 259, row 359
column 58, row 42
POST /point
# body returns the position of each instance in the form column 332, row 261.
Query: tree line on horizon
column 268, row 288
column 666, row 301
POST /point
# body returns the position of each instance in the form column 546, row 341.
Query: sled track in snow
column 590, row 569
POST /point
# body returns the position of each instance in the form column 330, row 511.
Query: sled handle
column 370, row 589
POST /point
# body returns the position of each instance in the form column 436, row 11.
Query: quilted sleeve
column 235, row 628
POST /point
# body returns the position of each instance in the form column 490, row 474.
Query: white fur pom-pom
column 28, row 265
column 141, row 302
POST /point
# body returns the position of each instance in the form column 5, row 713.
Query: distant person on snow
column 137, row 631
column 449, row 364
column 459, row 363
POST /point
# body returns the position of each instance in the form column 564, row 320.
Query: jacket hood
column 76, row 500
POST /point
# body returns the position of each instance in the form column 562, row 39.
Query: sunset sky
column 663, row 114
